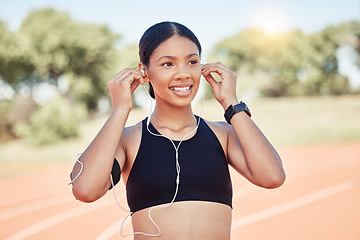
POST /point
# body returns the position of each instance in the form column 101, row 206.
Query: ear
column 143, row 69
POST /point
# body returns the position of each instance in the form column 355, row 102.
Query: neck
column 173, row 118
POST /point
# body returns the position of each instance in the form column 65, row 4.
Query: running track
column 319, row 200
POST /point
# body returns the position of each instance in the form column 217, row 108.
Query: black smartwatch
column 232, row 110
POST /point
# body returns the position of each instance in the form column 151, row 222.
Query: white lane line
column 34, row 206
column 312, row 197
column 243, row 191
column 58, row 218
column 30, row 195
column 111, row 230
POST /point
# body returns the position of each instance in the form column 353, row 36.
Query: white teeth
column 181, row 89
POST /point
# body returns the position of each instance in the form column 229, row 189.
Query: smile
column 180, row 89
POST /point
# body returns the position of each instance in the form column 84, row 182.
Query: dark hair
column 159, row 33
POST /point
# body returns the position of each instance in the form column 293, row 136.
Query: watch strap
column 232, row 110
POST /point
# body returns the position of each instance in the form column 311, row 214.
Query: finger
column 209, row 65
column 216, row 68
column 122, row 74
column 134, row 85
column 218, row 65
column 117, row 77
column 134, row 75
column 210, row 79
column 128, row 74
column 127, row 78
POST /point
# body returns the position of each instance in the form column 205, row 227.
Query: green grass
column 285, row 121
column 304, row 121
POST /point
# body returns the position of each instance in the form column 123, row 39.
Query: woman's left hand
column 224, row 90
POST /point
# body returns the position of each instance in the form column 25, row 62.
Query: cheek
column 158, row 79
column 196, row 73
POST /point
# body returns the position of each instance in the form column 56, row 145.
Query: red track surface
column 319, row 200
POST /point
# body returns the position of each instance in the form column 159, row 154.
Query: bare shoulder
column 222, row 130
column 129, row 146
column 220, row 127
column 131, row 135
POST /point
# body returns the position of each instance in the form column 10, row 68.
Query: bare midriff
column 185, row 220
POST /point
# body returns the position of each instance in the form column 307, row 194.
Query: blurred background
column 298, row 66
column 56, row 56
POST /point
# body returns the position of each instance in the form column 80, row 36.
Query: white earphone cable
column 177, row 171
column 177, row 165
column 81, row 168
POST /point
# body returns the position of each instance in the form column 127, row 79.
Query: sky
column 210, row 20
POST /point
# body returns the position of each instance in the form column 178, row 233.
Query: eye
column 167, row 64
column 193, row 62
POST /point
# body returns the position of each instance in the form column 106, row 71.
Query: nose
column 182, row 72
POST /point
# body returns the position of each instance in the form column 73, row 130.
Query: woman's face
column 175, row 70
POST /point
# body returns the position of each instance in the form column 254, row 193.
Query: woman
column 196, row 201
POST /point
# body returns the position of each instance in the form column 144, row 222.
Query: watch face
column 246, row 109
column 239, row 107
column 242, row 107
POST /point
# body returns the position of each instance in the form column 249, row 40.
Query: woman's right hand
column 123, row 85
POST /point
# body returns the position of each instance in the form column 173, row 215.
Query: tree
column 15, row 65
column 50, row 46
column 276, row 58
column 292, row 63
column 61, row 46
column 351, row 37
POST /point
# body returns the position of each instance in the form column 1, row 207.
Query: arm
column 94, row 180
column 248, row 150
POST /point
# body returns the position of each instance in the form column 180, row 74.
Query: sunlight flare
column 272, row 19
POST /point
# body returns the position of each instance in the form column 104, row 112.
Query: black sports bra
column 204, row 174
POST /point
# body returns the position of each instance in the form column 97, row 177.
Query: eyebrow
column 173, row 57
